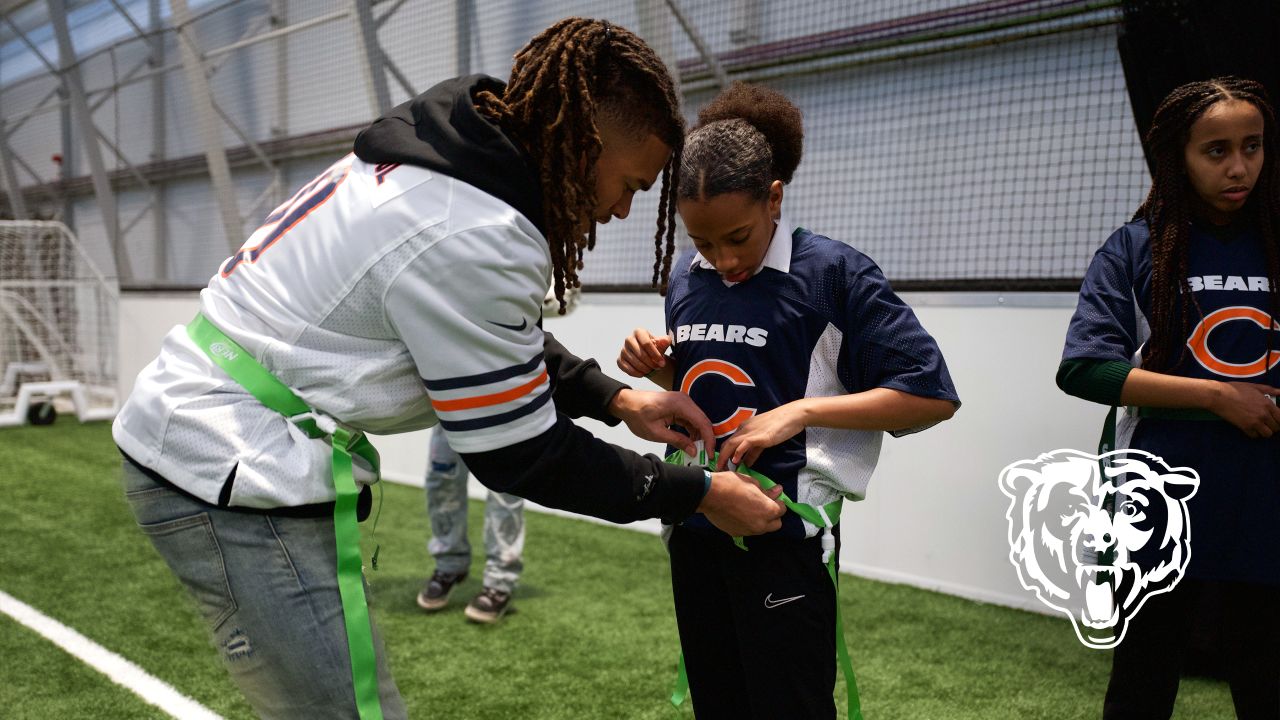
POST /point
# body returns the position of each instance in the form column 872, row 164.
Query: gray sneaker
column 435, row 593
column 489, row 606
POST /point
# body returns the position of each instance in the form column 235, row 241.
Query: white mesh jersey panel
column 309, row 295
column 838, row 463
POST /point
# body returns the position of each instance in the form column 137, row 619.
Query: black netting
column 960, row 144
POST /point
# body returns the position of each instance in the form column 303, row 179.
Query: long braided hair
column 562, row 83
column 1168, row 211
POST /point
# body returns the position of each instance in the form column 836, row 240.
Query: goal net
column 58, row 318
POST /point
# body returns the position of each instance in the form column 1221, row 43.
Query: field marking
column 122, row 672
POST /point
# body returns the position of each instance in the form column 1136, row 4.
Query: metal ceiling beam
column 375, row 76
column 83, row 118
column 207, row 120
column 159, row 140
column 695, row 37
column 17, row 203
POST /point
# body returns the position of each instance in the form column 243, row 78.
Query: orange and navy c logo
column 733, row 374
column 1199, row 342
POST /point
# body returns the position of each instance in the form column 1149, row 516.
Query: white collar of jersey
column 778, row 256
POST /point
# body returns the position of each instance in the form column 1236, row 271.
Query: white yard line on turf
column 153, row 690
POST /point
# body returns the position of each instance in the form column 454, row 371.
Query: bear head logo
column 1095, row 536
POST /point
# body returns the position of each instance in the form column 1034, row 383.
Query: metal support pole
column 400, row 78
column 279, row 19
column 748, row 18
column 159, row 147
column 70, row 73
column 464, row 12
column 722, row 78
column 375, row 77
column 128, row 19
column 395, row 7
column 38, row 108
column 64, row 105
column 70, row 158
column 207, row 119
column 53, row 69
column 655, row 28
column 280, row 126
column 17, row 203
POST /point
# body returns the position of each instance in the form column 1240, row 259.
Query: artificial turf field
column 594, row 635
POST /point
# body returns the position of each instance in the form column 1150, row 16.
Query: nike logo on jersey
column 523, row 324
column 1229, row 282
column 770, row 603
column 702, row 332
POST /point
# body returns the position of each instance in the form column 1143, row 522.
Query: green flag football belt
column 821, row 516
column 262, row 385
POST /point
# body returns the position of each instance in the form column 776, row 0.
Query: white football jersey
column 388, row 297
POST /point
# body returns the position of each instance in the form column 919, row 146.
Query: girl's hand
column 1250, row 407
column 642, row 353
column 760, row 432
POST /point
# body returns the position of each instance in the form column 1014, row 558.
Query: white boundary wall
column 934, row 516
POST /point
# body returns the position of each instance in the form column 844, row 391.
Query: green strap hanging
column 275, row 395
column 825, row 516
column 681, row 690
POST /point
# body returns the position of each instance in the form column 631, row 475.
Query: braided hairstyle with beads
column 1168, row 211
column 567, row 78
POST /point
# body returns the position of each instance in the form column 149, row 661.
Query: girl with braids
column 799, row 351
column 400, row 289
column 1201, row 251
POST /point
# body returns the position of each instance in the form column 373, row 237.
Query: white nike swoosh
column 770, row 603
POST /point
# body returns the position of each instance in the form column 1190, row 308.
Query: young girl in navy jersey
column 1199, row 265
column 802, row 356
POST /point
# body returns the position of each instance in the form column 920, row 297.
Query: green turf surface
column 594, row 635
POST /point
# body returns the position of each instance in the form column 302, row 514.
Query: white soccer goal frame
column 53, row 355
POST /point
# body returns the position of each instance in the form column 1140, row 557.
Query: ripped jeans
column 446, row 487
column 267, row 587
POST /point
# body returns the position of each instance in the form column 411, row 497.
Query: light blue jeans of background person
column 267, row 587
column 447, row 509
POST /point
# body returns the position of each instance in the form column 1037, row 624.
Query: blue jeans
column 267, row 587
column 446, row 487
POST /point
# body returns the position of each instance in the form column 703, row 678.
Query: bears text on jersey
column 1253, row 283
column 756, row 337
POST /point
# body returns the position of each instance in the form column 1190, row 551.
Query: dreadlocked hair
column 562, row 83
column 1168, row 211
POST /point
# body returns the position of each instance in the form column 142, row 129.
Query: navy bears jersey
column 1227, row 275
column 819, row 319
column 1234, row 534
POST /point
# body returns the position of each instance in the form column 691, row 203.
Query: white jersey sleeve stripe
column 493, row 376
column 498, row 398
column 495, row 420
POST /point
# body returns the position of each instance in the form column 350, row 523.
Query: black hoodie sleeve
column 581, row 387
column 567, row 467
